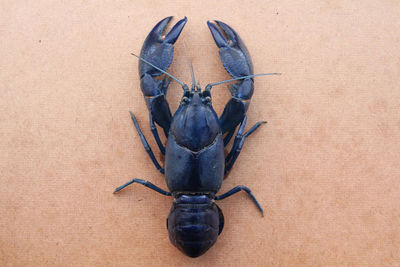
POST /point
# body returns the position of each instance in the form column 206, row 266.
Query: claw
column 219, row 38
column 237, row 62
column 158, row 30
column 232, row 35
column 174, row 33
column 158, row 49
column 232, row 51
column 157, row 33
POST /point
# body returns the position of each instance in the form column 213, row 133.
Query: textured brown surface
column 325, row 167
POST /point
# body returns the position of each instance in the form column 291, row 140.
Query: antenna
column 192, row 74
column 208, row 87
column 163, row 71
column 190, row 64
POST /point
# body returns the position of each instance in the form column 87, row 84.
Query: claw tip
column 168, row 18
column 210, row 22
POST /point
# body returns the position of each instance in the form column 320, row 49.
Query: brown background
column 325, row 167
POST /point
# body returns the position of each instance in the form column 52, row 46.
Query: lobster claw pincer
column 158, row 49
column 233, row 53
column 237, row 62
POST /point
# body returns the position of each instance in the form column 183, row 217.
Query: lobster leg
column 238, row 138
column 237, row 62
column 238, row 189
column 153, row 129
column 228, row 137
column 145, row 183
column 146, row 145
column 238, row 143
column 158, row 49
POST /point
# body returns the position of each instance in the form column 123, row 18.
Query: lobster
column 195, row 160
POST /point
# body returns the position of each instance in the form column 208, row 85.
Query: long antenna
column 208, row 87
column 163, row 71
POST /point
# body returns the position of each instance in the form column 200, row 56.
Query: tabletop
column 325, row 167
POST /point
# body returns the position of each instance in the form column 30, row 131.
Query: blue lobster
column 195, row 162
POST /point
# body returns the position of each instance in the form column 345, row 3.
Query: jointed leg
column 238, row 137
column 153, row 129
column 238, row 189
column 146, row 145
column 228, row 137
column 238, row 143
column 145, row 183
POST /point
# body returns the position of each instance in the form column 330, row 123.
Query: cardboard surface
column 325, row 167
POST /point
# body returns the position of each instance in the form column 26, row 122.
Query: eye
column 207, row 99
column 185, row 99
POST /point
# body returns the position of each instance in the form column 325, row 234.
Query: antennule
column 163, row 71
column 208, row 87
column 192, row 74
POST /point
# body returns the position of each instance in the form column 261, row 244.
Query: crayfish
column 195, row 161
